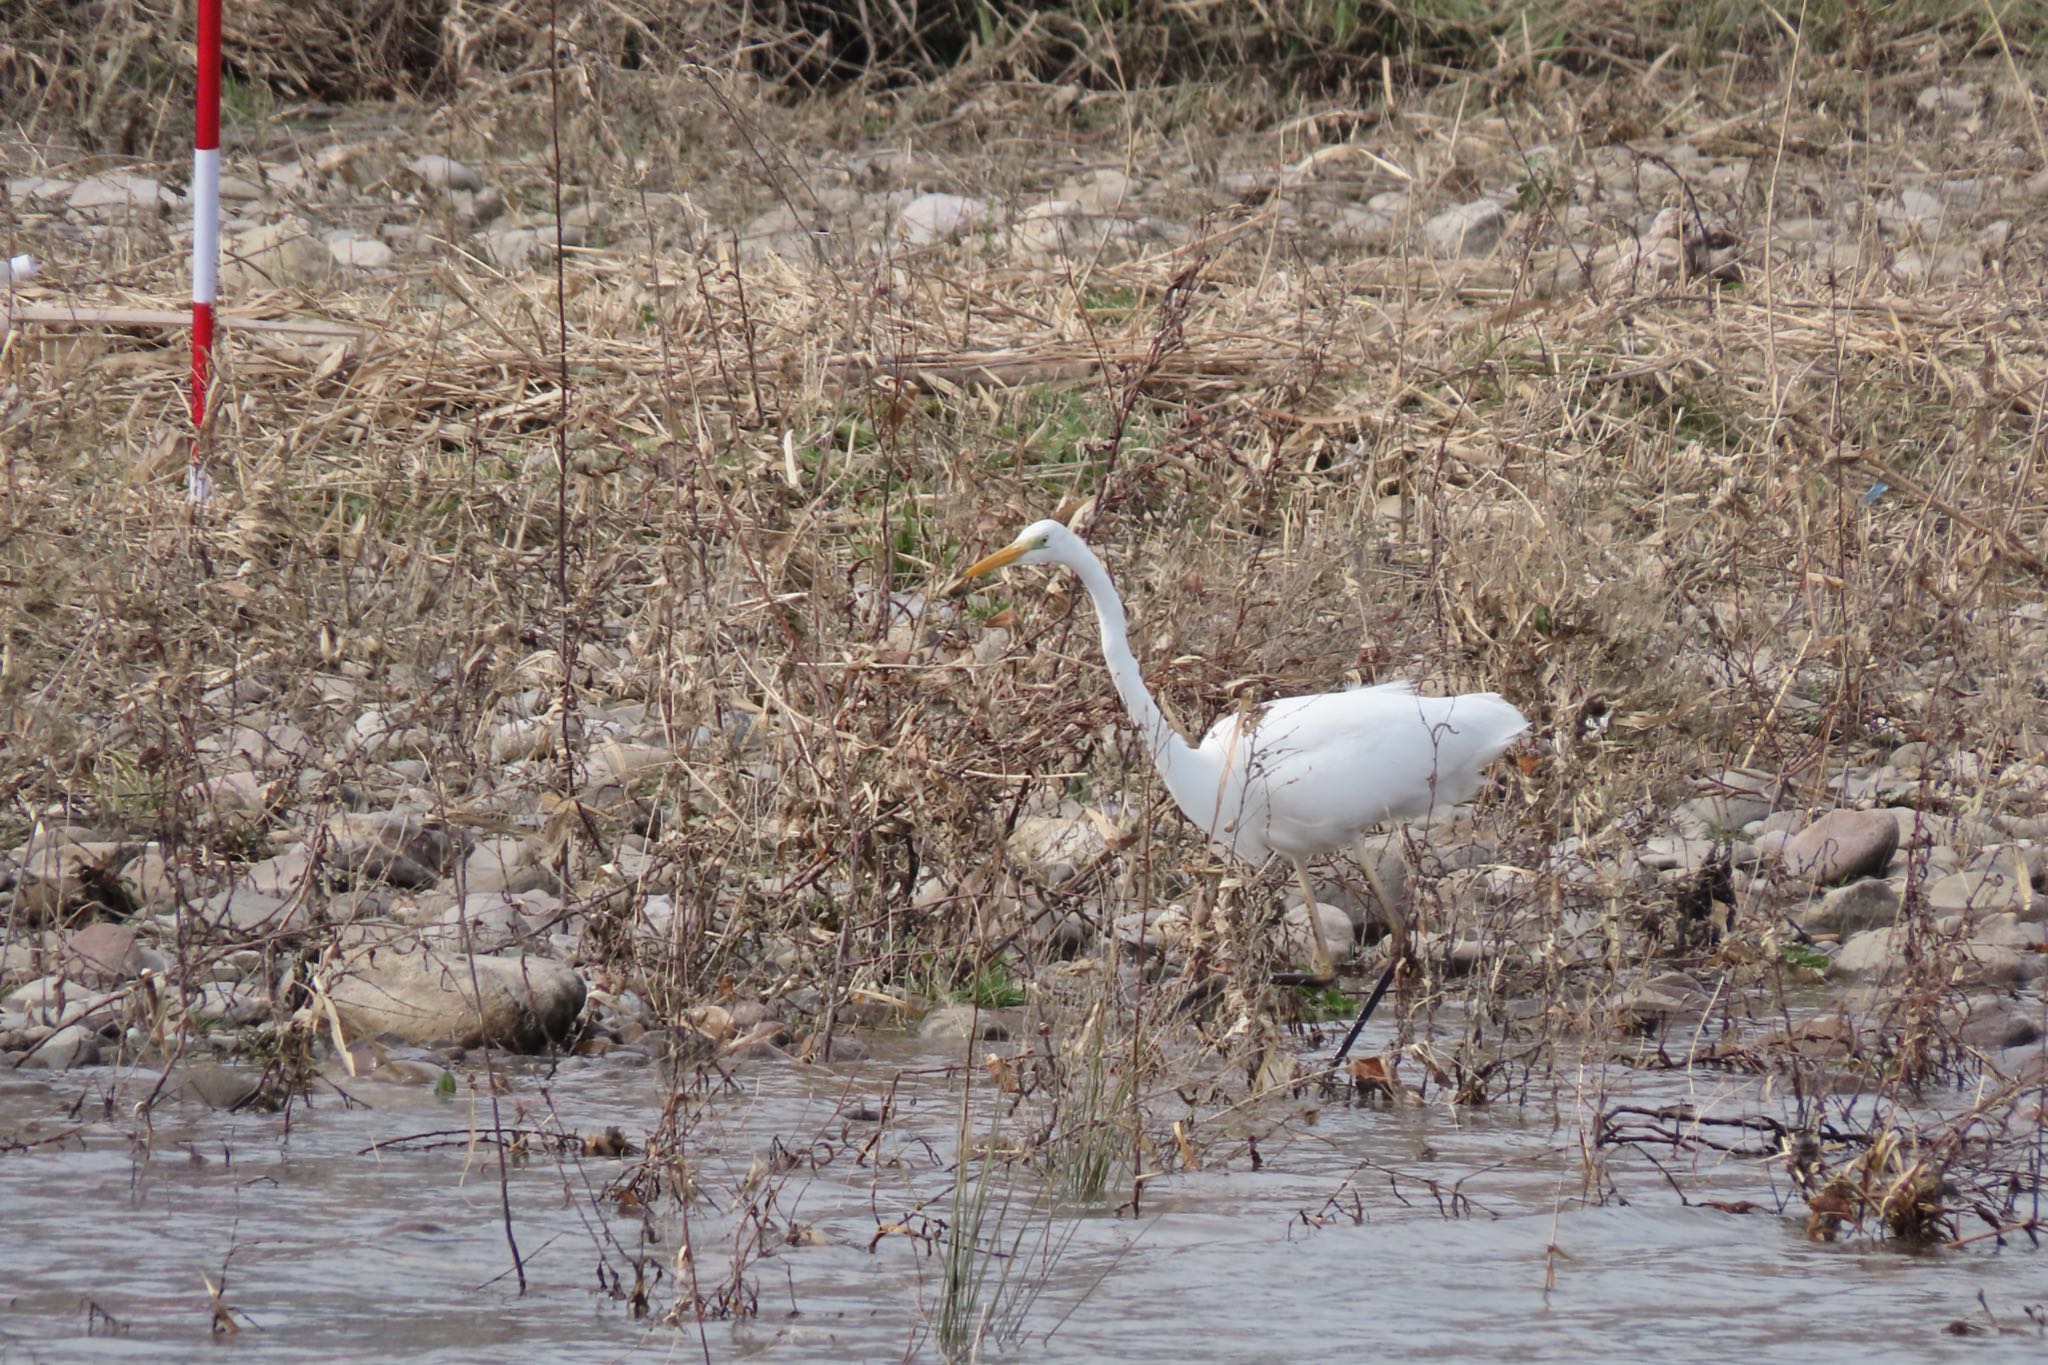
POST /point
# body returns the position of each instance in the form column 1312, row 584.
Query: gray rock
column 1062, row 935
column 1957, row 101
column 273, row 746
column 964, row 1023
column 156, row 883
column 1163, row 929
column 1716, row 815
column 285, row 875
column 26, row 955
column 238, row 800
column 1937, row 862
column 58, row 877
column 1063, row 227
column 1052, row 848
column 1844, row 258
column 1851, row 909
column 47, row 835
column 230, row 1006
column 629, row 761
column 2034, row 859
column 403, row 849
column 1467, row 230
column 495, row 921
column 1645, row 1009
column 780, row 231
column 245, row 910
column 2004, row 931
column 1456, row 855
column 239, row 189
column 386, row 732
column 101, row 955
column 478, row 206
column 217, row 1087
column 1985, row 891
column 1841, row 845
column 1914, row 756
column 1869, row 954
column 940, row 217
column 31, row 998
column 55, row 1001
column 1350, row 896
column 1971, row 191
column 515, row 248
column 113, row 189
column 1879, row 955
column 70, row 1046
column 1297, row 941
column 1804, row 229
column 283, row 255
column 1921, row 829
column 40, row 191
column 1103, row 190
column 1992, row 1022
column 1356, row 225
column 1935, row 267
column 1912, row 210
column 843, row 1047
column 2026, row 1067
column 240, row 965
column 523, row 737
column 2002, row 858
column 361, row 253
column 625, row 1008
column 1783, row 823
column 1455, row 954
column 1474, row 888
column 445, row 173
column 414, row 1071
column 1990, row 965
column 1664, row 852
column 1264, row 180
column 524, row 1002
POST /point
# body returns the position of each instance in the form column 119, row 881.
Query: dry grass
column 1690, row 511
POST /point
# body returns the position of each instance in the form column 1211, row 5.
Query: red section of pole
column 207, row 127
column 205, row 210
column 202, row 364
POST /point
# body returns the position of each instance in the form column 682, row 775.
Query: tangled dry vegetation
column 1693, row 405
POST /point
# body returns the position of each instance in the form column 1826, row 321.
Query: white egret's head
column 1042, row 542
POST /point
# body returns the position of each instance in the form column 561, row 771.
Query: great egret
column 1301, row 776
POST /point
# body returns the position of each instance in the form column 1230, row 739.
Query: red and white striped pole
column 205, row 234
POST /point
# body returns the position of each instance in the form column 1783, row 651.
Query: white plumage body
column 1302, row 776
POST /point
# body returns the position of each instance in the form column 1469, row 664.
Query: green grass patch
column 992, row 986
column 1060, row 433
column 244, row 103
column 1803, row 958
column 1115, row 305
column 1326, row 1002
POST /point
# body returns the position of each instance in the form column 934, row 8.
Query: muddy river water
column 1397, row 1232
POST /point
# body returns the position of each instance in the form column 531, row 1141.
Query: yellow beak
column 1001, row 559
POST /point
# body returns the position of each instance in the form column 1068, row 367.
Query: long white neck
column 1188, row 777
